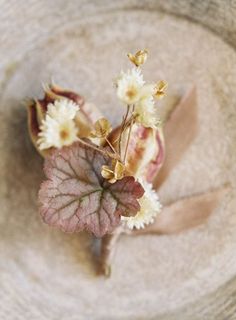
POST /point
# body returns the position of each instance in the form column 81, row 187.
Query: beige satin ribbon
column 185, row 213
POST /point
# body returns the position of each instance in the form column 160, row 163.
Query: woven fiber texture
column 82, row 45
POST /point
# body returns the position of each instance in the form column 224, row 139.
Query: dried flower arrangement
column 100, row 179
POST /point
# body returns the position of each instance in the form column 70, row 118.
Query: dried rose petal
column 145, row 154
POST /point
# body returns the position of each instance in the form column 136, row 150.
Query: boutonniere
column 104, row 180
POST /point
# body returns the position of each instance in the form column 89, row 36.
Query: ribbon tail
column 185, row 213
column 108, row 246
column 179, row 131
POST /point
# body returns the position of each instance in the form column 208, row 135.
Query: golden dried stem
column 111, row 146
column 104, row 152
column 123, row 126
column 129, row 134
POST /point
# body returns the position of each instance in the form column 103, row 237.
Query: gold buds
column 160, row 89
column 113, row 173
column 102, row 128
column 139, row 57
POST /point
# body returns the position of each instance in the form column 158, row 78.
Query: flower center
column 131, row 92
column 64, row 134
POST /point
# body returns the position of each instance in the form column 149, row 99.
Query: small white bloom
column 129, row 85
column 62, row 109
column 145, row 111
column 56, row 134
column 58, row 129
column 147, row 92
column 150, row 207
column 145, row 114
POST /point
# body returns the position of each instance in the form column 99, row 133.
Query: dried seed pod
column 145, row 153
column 113, row 173
column 102, row 128
column 37, row 110
column 139, row 57
column 160, row 89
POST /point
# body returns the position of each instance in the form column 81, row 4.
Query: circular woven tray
column 45, row 274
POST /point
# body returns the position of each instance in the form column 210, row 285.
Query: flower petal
column 146, row 150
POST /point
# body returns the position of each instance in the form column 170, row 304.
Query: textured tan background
column 45, row 274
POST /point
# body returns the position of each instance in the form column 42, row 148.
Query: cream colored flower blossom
column 145, row 114
column 58, row 129
column 62, row 109
column 56, row 134
column 129, row 85
column 150, row 207
column 145, row 111
column 147, row 91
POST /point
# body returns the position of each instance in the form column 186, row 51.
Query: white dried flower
column 129, row 85
column 58, row 129
column 145, row 112
column 63, row 109
column 150, row 207
column 147, row 91
column 56, row 134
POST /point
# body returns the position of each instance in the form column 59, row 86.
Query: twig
column 122, row 126
column 111, row 146
column 106, row 153
column 129, row 134
column 126, row 125
column 108, row 246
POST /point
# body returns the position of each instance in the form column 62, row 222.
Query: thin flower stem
column 110, row 145
column 106, row 153
column 129, row 134
column 128, row 122
column 122, row 126
column 125, row 126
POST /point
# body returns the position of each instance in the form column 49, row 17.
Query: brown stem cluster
column 127, row 123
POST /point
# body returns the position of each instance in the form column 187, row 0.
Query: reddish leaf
column 76, row 197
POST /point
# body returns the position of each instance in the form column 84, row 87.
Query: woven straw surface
column 45, row 274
